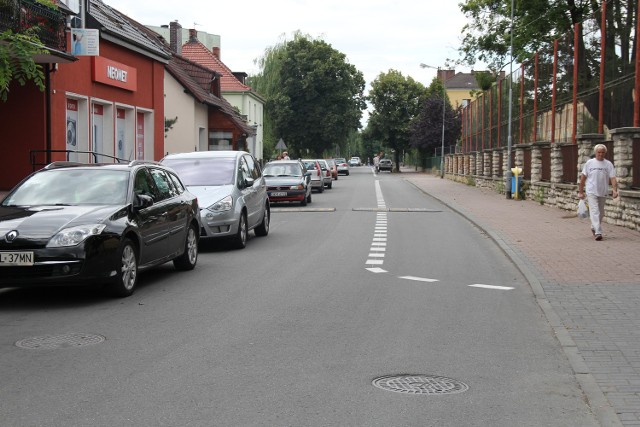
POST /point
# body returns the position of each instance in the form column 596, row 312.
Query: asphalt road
column 372, row 280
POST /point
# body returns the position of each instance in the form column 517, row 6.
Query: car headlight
column 225, row 204
column 75, row 235
column 297, row 187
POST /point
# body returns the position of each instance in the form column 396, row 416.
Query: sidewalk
column 588, row 290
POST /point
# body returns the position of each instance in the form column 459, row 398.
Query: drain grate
column 420, row 384
column 52, row 342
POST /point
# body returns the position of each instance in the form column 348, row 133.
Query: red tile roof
column 195, row 51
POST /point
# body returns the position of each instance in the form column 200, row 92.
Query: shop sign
column 114, row 73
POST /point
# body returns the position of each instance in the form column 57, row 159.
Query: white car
column 355, row 161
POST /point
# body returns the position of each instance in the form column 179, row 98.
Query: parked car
column 385, row 165
column 333, row 167
column 326, row 173
column 287, row 181
column 231, row 192
column 343, row 166
column 355, row 161
column 317, row 179
column 73, row 223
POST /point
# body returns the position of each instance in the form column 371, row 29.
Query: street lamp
column 444, row 97
column 508, row 187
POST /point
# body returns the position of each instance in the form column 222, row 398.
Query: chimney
column 175, row 37
column 216, row 51
column 193, row 35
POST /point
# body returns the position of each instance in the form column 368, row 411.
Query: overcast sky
column 375, row 35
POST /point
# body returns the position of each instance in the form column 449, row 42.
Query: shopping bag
column 583, row 209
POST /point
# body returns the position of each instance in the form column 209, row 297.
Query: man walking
column 597, row 173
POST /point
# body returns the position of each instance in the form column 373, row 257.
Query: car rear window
column 212, row 171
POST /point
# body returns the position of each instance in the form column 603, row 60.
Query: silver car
column 231, row 192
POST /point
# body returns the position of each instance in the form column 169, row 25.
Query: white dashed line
column 376, row 270
column 374, row 262
column 503, row 288
column 377, row 248
column 419, row 279
column 375, row 255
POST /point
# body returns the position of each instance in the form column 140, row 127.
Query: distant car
column 385, row 165
column 73, row 223
column 326, row 173
column 317, row 178
column 231, row 192
column 287, row 181
column 343, row 166
column 355, row 161
column 333, row 166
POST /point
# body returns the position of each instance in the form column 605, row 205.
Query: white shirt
column 598, row 173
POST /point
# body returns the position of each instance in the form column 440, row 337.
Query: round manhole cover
column 420, row 384
column 52, row 342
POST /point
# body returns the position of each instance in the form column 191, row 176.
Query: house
column 458, row 86
column 232, row 86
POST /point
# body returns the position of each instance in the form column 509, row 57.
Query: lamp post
column 444, row 98
column 509, row 176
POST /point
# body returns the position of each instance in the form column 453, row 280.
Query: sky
column 375, row 35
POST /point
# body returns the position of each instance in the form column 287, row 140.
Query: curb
column 597, row 401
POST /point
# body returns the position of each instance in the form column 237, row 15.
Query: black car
column 73, row 223
column 288, row 181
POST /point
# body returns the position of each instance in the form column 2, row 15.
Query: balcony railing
column 49, row 24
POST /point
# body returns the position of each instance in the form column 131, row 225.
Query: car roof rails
column 143, row 162
column 57, row 165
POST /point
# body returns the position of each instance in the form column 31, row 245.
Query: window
column 163, row 183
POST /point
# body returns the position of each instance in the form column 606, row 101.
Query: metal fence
column 581, row 82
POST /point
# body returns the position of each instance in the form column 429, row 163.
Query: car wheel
column 347, row 174
column 263, row 228
column 330, row 185
column 321, row 188
column 126, row 280
column 240, row 239
column 188, row 259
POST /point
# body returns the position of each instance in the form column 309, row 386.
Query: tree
column 426, row 129
column 314, row 97
column 16, row 60
column 537, row 23
column 396, row 101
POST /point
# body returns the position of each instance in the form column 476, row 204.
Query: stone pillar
column 487, row 163
column 556, row 163
column 495, row 170
column 479, row 171
column 536, row 160
column 472, row 164
column 623, row 155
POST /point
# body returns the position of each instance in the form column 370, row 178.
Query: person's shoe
column 598, row 236
column 593, row 232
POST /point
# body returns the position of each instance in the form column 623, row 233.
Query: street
column 303, row 328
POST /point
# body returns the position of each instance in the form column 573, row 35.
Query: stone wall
column 482, row 169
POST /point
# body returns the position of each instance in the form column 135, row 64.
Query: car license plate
column 278, row 194
column 16, row 258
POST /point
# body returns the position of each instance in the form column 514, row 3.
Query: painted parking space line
column 376, row 255
column 418, row 279
column 376, row 270
column 374, row 262
column 377, row 248
column 502, row 288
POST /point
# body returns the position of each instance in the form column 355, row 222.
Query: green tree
column 314, row 97
column 537, row 23
column 16, row 60
column 426, row 129
column 396, row 101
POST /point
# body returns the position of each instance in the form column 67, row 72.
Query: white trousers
column 596, row 211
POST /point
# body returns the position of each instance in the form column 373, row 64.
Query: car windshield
column 310, row 165
column 282, row 170
column 95, row 186
column 204, row 171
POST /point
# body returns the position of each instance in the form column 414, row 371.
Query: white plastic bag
column 583, row 209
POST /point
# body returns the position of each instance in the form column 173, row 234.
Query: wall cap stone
column 624, row 130
column 591, row 136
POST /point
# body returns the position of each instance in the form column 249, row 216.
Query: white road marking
column 376, row 270
column 419, row 279
column 374, row 255
column 504, row 288
column 379, row 239
column 374, row 261
column 375, row 248
column 378, row 244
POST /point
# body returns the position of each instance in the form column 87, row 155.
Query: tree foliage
column 397, row 101
column 426, row 129
column 537, row 23
column 16, row 60
column 314, row 96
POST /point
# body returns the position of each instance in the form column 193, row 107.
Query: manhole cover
column 52, row 342
column 420, row 384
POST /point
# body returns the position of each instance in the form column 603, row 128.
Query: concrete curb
column 597, row 401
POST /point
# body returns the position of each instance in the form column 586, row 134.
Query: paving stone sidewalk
column 588, row 290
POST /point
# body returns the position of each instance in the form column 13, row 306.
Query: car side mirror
column 141, row 201
column 248, row 182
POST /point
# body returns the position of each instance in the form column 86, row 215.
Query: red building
column 111, row 103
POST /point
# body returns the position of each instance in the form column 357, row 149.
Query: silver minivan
column 231, row 192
